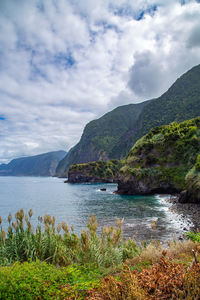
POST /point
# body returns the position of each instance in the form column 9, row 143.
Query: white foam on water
column 173, row 219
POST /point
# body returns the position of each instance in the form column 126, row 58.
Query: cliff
column 99, row 171
column 100, row 136
column 116, row 132
column 181, row 102
column 166, row 160
column 39, row 165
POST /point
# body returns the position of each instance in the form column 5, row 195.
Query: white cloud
column 64, row 63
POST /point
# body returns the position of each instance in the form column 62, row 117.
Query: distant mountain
column 100, row 136
column 113, row 135
column 39, row 165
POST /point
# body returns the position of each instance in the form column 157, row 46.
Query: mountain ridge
column 38, row 165
column 179, row 103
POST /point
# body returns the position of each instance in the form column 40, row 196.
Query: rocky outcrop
column 145, row 186
column 101, row 136
column 94, row 172
column 166, row 160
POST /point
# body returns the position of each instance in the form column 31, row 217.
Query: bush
column 39, row 280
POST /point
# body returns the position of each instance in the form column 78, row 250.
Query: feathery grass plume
column 17, row 215
column 92, row 225
column 29, row 226
column 0, row 220
column 59, row 226
column 3, row 236
column 53, row 221
column 65, row 227
column 9, row 218
column 72, row 228
column 47, row 220
column 14, row 225
column 21, row 214
column 10, row 229
column 26, row 218
column 30, row 213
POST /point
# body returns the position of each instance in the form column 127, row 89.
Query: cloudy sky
column 66, row 62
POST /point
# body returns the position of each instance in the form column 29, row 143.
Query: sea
column 75, row 203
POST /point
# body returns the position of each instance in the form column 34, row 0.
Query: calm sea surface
column 75, row 203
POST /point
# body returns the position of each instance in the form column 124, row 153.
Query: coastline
column 189, row 212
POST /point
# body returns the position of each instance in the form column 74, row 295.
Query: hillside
column 166, row 160
column 113, row 135
column 181, row 102
column 100, row 136
column 39, row 165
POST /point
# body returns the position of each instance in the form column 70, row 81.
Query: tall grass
column 60, row 245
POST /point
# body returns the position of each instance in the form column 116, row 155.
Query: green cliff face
column 97, row 171
column 115, row 133
column 165, row 160
column 100, row 136
column 181, row 102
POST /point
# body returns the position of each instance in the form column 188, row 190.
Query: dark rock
column 103, row 190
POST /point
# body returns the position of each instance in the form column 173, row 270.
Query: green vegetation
column 113, row 135
column 181, row 102
column 166, row 157
column 100, row 136
column 50, row 263
column 98, row 171
column 39, row 280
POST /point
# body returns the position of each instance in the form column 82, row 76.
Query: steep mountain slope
column 181, row 102
column 112, row 136
column 39, row 165
column 100, row 136
column 165, row 160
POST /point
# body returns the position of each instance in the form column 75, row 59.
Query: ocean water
column 74, row 204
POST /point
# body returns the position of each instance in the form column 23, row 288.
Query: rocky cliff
column 166, row 160
column 115, row 133
column 99, row 171
column 100, row 136
column 181, row 102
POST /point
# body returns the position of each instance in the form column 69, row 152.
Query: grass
column 52, row 262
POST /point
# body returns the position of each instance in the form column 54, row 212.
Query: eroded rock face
column 146, row 186
column 94, row 172
column 78, row 177
column 166, row 160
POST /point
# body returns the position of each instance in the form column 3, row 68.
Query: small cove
column 74, row 203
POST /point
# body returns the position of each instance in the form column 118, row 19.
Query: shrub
column 39, row 280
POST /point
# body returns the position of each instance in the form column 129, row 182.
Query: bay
column 75, row 203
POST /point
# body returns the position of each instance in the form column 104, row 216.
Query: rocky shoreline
column 189, row 212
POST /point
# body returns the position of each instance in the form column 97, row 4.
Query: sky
column 64, row 63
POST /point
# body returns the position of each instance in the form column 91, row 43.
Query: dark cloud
column 146, row 75
column 194, row 38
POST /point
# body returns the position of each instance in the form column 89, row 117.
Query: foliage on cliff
column 97, row 171
column 113, row 135
column 164, row 156
column 100, row 136
column 181, row 102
